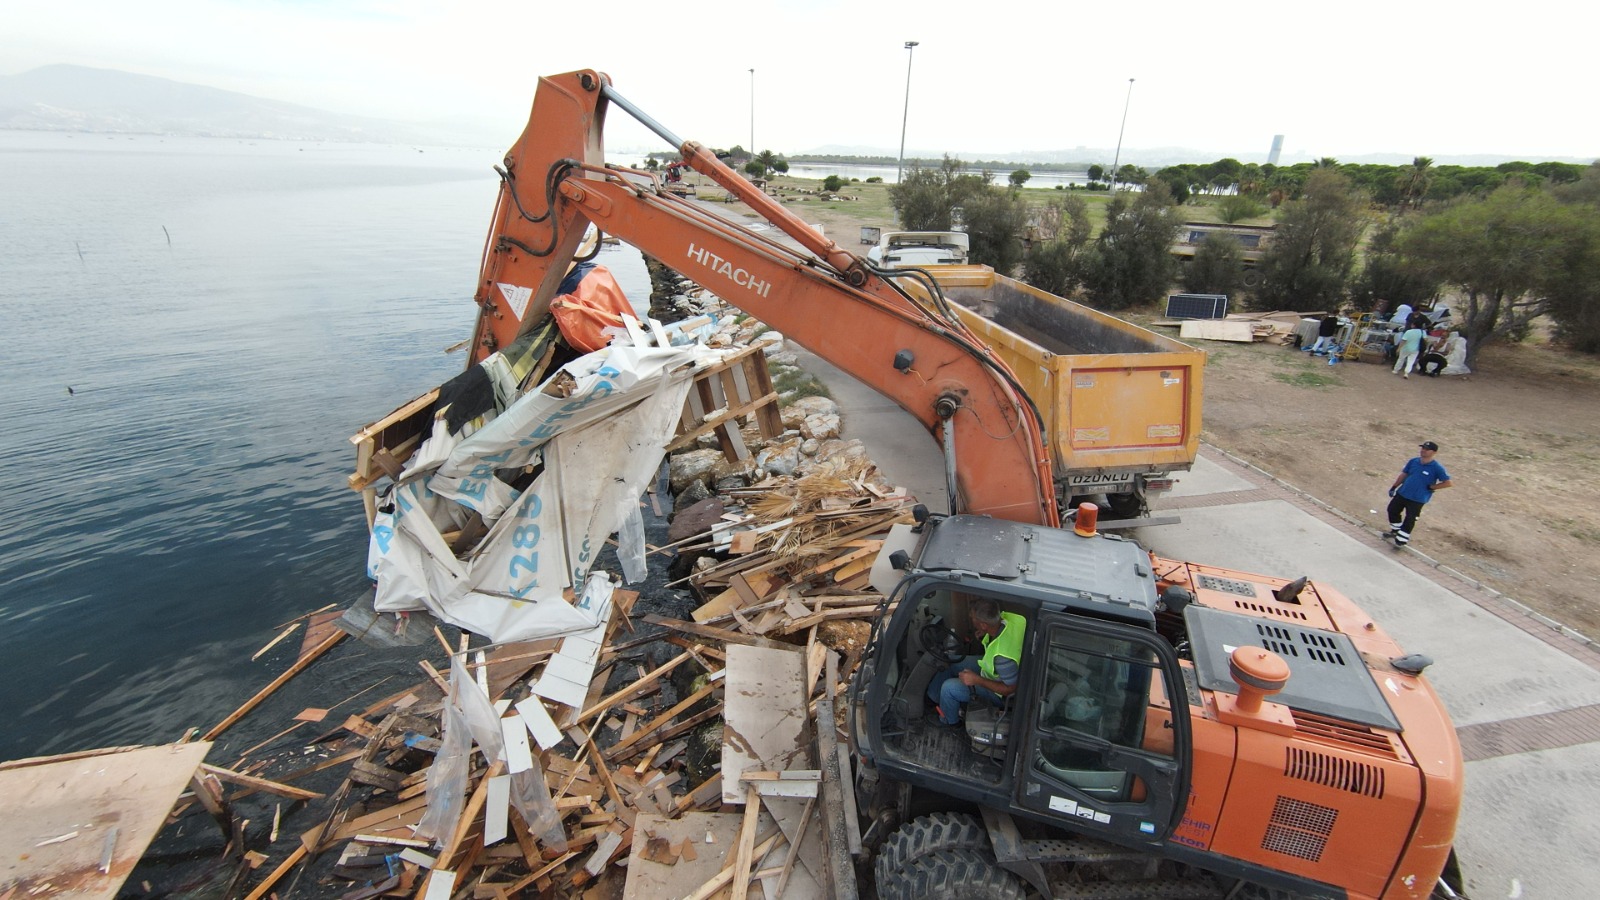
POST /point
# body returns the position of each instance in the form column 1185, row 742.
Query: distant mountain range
column 78, row 98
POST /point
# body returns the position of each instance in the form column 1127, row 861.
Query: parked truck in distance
column 915, row 249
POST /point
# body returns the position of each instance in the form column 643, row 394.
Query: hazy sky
column 1221, row 77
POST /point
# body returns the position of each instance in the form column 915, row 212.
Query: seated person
column 989, row 677
column 1434, row 359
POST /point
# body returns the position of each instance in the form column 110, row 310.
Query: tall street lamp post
column 1118, row 158
column 911, row 51
column 753, row 113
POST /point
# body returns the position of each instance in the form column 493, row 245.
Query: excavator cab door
column 1106, row 750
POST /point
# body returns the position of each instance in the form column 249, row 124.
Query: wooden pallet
column 725, row 395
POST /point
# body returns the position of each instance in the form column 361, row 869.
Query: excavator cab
column 1090, row 740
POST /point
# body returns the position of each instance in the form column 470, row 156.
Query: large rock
column 781, row 457
column 820, row 426
column 836, row 455
column 795, row 414
column 695, row 465
column 697, row 519
column 694, row 493
column 732, row 476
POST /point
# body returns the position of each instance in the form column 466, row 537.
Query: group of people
column 1427, row 345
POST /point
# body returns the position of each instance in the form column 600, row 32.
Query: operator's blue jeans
column 947, row 690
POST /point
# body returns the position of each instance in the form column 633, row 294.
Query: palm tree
column 768, row 161
column 1414, row 182
column 1327, row 162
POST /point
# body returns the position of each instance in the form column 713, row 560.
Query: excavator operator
column 990, row 677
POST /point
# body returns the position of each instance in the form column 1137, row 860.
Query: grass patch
column 1308, row 379
column 792, row 383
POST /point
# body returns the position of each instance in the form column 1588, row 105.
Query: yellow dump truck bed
column 1122, row 403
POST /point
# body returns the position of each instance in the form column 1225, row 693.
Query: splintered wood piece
column 275, row 641
column 260, row 784
column 306, row 659
column 745, row 852
column 637, row 688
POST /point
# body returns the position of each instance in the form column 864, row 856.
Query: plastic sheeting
column 598, row 426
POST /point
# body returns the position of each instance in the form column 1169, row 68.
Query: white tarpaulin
column 599, row 426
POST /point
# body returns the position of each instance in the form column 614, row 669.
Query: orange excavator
column 1170, row 729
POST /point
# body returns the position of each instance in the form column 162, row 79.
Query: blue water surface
column 225, row 313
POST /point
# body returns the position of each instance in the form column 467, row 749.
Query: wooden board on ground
column 656, row 881
column 764, row 717
column 1217, row 330
column 65, row 814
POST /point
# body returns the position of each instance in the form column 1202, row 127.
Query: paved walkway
column 1524, row 692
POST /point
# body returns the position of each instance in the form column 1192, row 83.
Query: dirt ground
column 1520, row 438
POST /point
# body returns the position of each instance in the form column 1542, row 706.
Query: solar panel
column 1197, row 306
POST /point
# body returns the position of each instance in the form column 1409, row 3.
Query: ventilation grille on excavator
column 1261, row 609
column 1299, row 829
column 1227, row 585
column 1300, row 643
column 1246, row 592
column 1335, row 772
column 1349, row 734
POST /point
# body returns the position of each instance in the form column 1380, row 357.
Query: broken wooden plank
column 260, row 784
column 718, row 634
column 300, row 664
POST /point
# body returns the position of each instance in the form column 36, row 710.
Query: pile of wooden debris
column 616, row 795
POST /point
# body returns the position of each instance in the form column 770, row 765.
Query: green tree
column 1177, row 182
column 755, row 169
column 1020, row 177
column 1056, row 263
column 1217, row 267
column 922, row 199
column 1574, row 287
column 928, row 200
column 1506, row 254
column 1386, row 278
column 833, row 184
column 1132, row 260
column 995, row 220
column 1131, row 174
column 1414, row 181
column 781, row 165
column 768, row 161
column 1313, row 248
column 1238, row 207
column 1096, row 172
column 1223, row 174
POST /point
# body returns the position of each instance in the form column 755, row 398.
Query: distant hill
column 1156, row 157
column 78, row 98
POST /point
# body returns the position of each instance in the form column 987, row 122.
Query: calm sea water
column 226, row 313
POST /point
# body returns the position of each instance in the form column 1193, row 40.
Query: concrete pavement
column 1525, row 696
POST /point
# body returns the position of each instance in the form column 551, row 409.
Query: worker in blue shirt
column 1413, row 487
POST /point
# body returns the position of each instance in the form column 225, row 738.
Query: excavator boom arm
column 555, row 185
